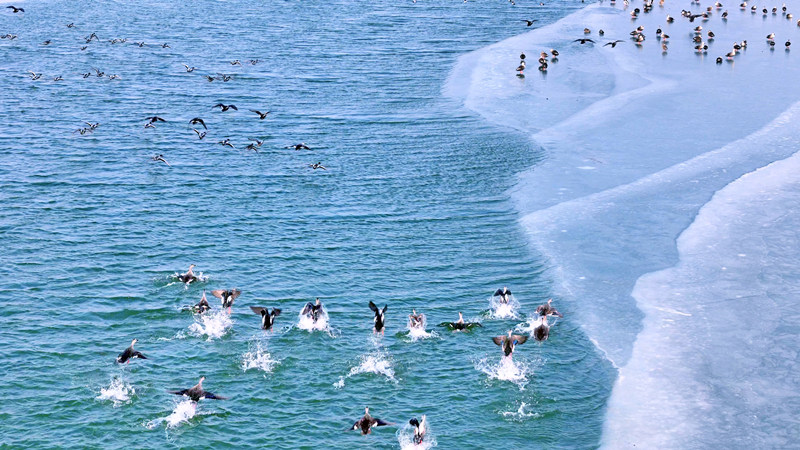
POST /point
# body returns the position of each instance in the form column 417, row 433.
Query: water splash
column 520, row 414
column 118, row 392
column 500, row 310
column 305, row 322
column 533, row 322
column 258, row 358
column 183, row 412
column 507, row 370
column 377, row 363
column 417, row 333
column 405, row 437
column 213, row 324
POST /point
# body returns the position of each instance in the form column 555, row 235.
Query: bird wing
column 234, row 107
column 448, row 325
column 217, row 293
column 356, row 425
column 255, row 111
column 235, row 293
column 181, row 392
column 518, row 339
column 218, row 105
column 385, row 307
column 213, row 396
column 257, row 309
column 276, row 312
column 373, row 307
column 499, row 340
column 139, row 355
column 498, row 292
column 379, row 423
column 472, row 325
column 589, row 40
column 308, row 308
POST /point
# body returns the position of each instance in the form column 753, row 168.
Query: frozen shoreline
column 636, row 144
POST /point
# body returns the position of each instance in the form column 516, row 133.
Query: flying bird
column 225, row 107
column 15, row 9
column 197, row 120
column 612, row 43
column 261, row 115
column 583, row 40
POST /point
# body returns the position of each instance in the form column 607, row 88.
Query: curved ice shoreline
column 636, row 144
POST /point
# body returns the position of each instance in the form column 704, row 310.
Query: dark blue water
column 412, row 212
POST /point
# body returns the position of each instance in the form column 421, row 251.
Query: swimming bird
column 197, row 120
column 380, row 317
column 226, row 143
column 583, row 40
column 313, row 310
column 165, row 46
column 84, row 48
column 47, row 42
column 129, row 353
column 586, row 31
column 203, row 305
column 612, row 43
column 547, row 309
column 725, row 15
column 460, row 325
column 507, row 343
column 529, row 22
column 300, row 146
column 189, row 69
column 225, row 107
column 317, row 165
column 161, row 159
column 209, row 78
column 504, row 294
column 261, row 115
column 16, row 10
column 542, row 330
column 199, row 134
column 197, row 392
column 267, row 317
column 420, row 427
column 227, row 296
column 252, row 147
column 670, row 19
column 601, row 32
column 34, row 75
column 719, row 59
column 70, row 25
column 189, row 276
column 367, row 423
column 711, row 35
column 416, row 320
column 235, row 63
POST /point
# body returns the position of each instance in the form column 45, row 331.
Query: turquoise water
column 412, row 212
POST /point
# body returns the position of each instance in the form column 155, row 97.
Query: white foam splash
column 305, row 322
column 213, row 324
column 405, row 437
column 417, row 333
column 519, row 414
column 533, row 322
column 182, row 413
column 258, row 358
column 507, row 370
column 118, row 392
column 500, row 310
column 377, row 363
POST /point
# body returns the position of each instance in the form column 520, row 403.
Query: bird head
column 134, row 341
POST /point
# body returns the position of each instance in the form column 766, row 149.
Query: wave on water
column 378, row 363
column 118, row 392
column 520, row 414
column 258, row 358
column 183, row 412
column 405, row 437
column 500, row 310
column 507, row 369
column 213, row 324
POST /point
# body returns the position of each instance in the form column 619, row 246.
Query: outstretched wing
column 235, row 293
column 234, row 107
column 499, row 340
column 356, row 425
column 213, row 396
column 218, row 293
column 448, row 325
column 139, row 355
column 257, row 309
column 276, row 312
column 380, row 423
column 518, row 339
column 181, row 392
column 307, row 309
column 373, row 307
column 498, row 292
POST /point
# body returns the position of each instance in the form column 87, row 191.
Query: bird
column 601, row 32
column 267, row 317
column 254, row 61
column 554, row 52
column 787, row 44
column 507, row 343
column 460, row 325
column 522, row 56
column 521, row 67
column 34, row 75
column 542, row 330
column 153, row 119
column 504, row 294
column 367, row 423
column 197, row 120
column 98, row 72
column 47, row 42
column 165, row 46
column 226, row 143
column 583, row 40
column 380, row 317
column 15, row 9
column 420, row 427
column 771, row 36
column 529, row 22
column 92, row 125
column 235, row 63
column 225, row 107
column 227, row 296
column 261, row 115
column 258, row 142
column 547, row 308
column 711, row 35
column 313, row 310
column 84, row 47
column 719, row 59
column 70, row 25
column 252, row 147
column 317, row 165
column 189, row 69
column 140, row 44
column 129, row 353
column 612, row 43
column 416, row 320
column 199, row 134
column 188, row 276
column 197, row 392
column 300, row 146
column 83, row 131
column 586, row 31
column 161, row 159
column 203, row 305
column 225, row 78
column 209, row 78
